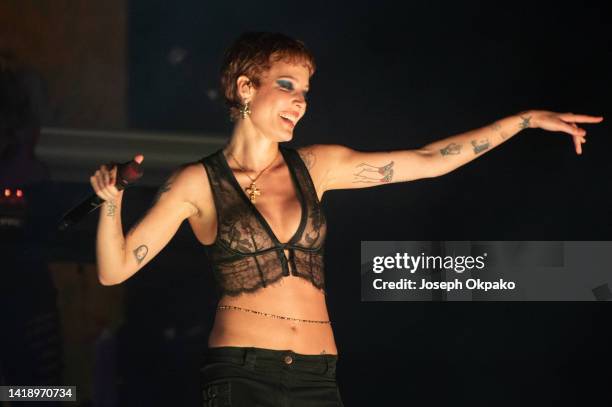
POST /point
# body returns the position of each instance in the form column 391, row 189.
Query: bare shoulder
column 320, row 159
column 324, row 155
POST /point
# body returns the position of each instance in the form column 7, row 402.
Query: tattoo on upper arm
column 525, row 123
column 371, row 174
column 479, row 148
column 140, row 253
column 110, row 209
column 452, row 148
column 308, row 157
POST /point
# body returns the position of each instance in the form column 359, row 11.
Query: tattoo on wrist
column 140, row 253
column 452, row 148
column 110, row 208
column 526, row 123
column 480, row 147
column 308, row 157
column 371, row 174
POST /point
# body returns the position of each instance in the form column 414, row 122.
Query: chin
column 285, row 136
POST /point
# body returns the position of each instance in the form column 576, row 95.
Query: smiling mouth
column 289, row 122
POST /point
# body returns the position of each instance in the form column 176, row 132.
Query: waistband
column 252, row 357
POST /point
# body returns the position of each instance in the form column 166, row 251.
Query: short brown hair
column 251, row 55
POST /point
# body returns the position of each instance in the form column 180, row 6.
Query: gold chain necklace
column 252, row 191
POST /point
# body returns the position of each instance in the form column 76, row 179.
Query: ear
column 245, row 88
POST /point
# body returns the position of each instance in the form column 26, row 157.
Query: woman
column 255, row 206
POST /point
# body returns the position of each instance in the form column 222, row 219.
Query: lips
column 288, row 122
column 290, row 116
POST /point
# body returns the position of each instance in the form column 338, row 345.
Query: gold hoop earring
column 245, row 110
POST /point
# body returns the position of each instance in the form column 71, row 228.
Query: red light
column 19, row 193
column 7, row 192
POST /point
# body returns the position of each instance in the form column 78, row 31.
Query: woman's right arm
column 120, row 257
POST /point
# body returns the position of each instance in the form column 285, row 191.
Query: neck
column 252, row 149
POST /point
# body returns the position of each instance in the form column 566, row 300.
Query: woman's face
column 280, row 101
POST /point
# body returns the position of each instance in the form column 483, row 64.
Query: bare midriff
column 291, row 297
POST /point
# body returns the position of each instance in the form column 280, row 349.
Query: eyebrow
column 291, row 77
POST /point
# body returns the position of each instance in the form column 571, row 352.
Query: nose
column 300, row 102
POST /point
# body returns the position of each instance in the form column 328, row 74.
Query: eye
column 285, row 85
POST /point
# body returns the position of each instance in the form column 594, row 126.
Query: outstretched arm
column 339, row 167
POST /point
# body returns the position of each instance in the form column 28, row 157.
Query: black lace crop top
column 246, row 254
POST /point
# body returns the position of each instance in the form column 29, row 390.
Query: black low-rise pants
column 256, row 377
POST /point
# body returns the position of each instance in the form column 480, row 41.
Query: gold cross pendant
column 253, row 192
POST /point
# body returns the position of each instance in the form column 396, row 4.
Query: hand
column 104, row 179
column 565, row 122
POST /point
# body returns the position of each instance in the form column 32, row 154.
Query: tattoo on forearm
column 495, row 126
column 371, row 174
column 525, row 123
column 110, row 208
column 479, row 148
column 503, row 135
column 308, row 157
column 452, row 148
column 323, row 352
column 140, row 253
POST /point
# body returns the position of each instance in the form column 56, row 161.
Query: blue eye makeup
column 285, row 84
column 288, row 85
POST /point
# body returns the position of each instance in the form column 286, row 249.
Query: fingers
column 577, row 145
column 580, row 118
column 578, row 141
column 572, row 129
column 103, row 182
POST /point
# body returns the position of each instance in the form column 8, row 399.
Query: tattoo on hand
column 308, row 157
column 452, row 148
column 479, row 148
column 525, row 123
column 372, row 174
column 110, row 208
column 140, row 253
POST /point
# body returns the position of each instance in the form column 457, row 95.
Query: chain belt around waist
column 232, row 307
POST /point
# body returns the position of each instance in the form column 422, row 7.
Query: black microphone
column 127, row 173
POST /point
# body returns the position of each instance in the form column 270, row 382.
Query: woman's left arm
column 345, row 168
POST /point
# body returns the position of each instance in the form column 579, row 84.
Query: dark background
column 391, row 76
column 397, row 75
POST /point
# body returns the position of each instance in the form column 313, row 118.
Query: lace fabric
column 246, row 254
